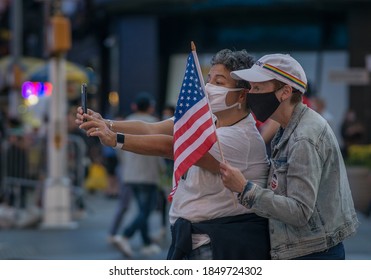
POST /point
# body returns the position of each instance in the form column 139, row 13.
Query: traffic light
column 59, row 35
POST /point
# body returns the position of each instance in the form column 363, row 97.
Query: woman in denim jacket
column 307, row 198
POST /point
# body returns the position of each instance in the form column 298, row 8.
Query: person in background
column 16, row 156
column 204, row 214
column 142, row 175
column 111, row 162
column 352, row 131
column 168, row 112
column 307, row 198
column 124, row 199
column 319, row 105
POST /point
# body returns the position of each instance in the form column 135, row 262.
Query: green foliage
column 359, row 155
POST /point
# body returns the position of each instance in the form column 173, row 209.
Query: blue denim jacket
column 307, row 199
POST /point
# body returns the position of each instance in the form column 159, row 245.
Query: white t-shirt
column 202, row 195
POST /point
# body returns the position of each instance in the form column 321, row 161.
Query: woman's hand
column 232, row 177
column 80, row 116
column 95, row 126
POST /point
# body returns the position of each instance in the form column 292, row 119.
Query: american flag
column 194, row 131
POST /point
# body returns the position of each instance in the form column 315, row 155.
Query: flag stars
column 191, row 91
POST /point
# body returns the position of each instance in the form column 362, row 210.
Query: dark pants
column 334, row 253
column 146, row 198
column 123, row 204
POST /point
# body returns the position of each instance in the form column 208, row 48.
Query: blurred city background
column 60, row 190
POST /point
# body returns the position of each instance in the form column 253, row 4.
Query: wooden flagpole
column 193, row 48
column 194, row 53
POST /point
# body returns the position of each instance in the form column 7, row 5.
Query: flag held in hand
column 194, row 130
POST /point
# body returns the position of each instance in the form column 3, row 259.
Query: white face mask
column 217, row 95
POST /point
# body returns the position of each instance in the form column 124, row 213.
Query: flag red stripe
column 195, row 155
column 193, row 146
column 190, row 160
column 193, row 138
column 191, row 120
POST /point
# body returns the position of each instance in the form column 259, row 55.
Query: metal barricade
column 23, row 167
column 15, row 173
column 76, row 168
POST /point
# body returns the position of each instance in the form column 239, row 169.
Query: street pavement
column 88, row 241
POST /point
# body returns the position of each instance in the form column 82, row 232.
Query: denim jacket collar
column 283, row 135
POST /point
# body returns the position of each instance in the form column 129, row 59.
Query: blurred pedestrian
column 352, row 131
column 16, row 157
column 319, row 105
column 123, row 204
column 111, row 162
column 142, row 175
column 307, row 183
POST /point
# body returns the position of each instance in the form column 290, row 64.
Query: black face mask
column 263, row 105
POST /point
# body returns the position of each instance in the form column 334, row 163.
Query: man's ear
column 286, row 92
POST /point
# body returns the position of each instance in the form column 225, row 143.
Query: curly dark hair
column 234, row 60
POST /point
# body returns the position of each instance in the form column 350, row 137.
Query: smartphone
column 84, row 99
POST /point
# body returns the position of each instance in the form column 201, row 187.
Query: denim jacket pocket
column 278, row 181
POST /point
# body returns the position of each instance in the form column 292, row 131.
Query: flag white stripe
column 184, row 137
column 190, row 113
column 200, row 140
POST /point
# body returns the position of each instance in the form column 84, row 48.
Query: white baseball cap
column 281, row 67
